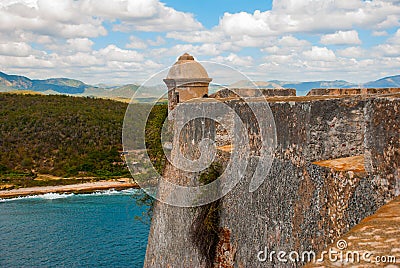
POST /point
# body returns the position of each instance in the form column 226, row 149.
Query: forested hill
column 67, row 137
column 60, row 85
column 61, row 135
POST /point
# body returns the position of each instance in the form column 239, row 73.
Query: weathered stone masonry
column 304, row 203
column 300, row 206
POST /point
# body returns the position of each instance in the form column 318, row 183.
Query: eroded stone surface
column 300, row 206
column 251, row 92
column 376, row 239
column 382, row 144
column 351, row 91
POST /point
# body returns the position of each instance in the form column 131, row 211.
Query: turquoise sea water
column 55, row 230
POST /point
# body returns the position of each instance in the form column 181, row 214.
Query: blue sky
column 209, row 12
column 126, row 41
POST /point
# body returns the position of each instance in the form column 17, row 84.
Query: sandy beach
column 73, row 188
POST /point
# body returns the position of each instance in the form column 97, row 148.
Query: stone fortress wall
column 336, row 162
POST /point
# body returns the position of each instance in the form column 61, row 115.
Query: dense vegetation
column 68, row 137
column 154, row 127
column 60, row 135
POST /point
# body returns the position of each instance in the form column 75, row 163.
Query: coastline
column 80, row 188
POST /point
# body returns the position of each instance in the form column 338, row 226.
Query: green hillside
column 61, row 136
column 65, row 82
column 390, row 81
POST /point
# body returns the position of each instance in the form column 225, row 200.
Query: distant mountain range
column 59, row 85
column 390, row 81
column 10, row 83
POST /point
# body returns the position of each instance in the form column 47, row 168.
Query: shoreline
column 81, row 188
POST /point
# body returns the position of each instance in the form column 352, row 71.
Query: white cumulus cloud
column 18, row 49
column 148, row 15
column 158, row 42
column 80, row 44
column 319, row 54
column 243, row 23
column 234, row 59
column 136, row 42
column 379, row 33
column 351, row 52
column 114, row 53
column 85, row 18
column 61, row 18
column 301, row 16
column 341, row 38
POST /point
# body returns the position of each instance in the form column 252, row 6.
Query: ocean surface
column 68, row 230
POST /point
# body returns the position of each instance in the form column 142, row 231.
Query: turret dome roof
column 187, row 68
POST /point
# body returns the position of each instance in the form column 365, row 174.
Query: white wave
column 52, row 196
column 17, row 198
column 48, row 196
column 130, row 191
column 113, row 192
